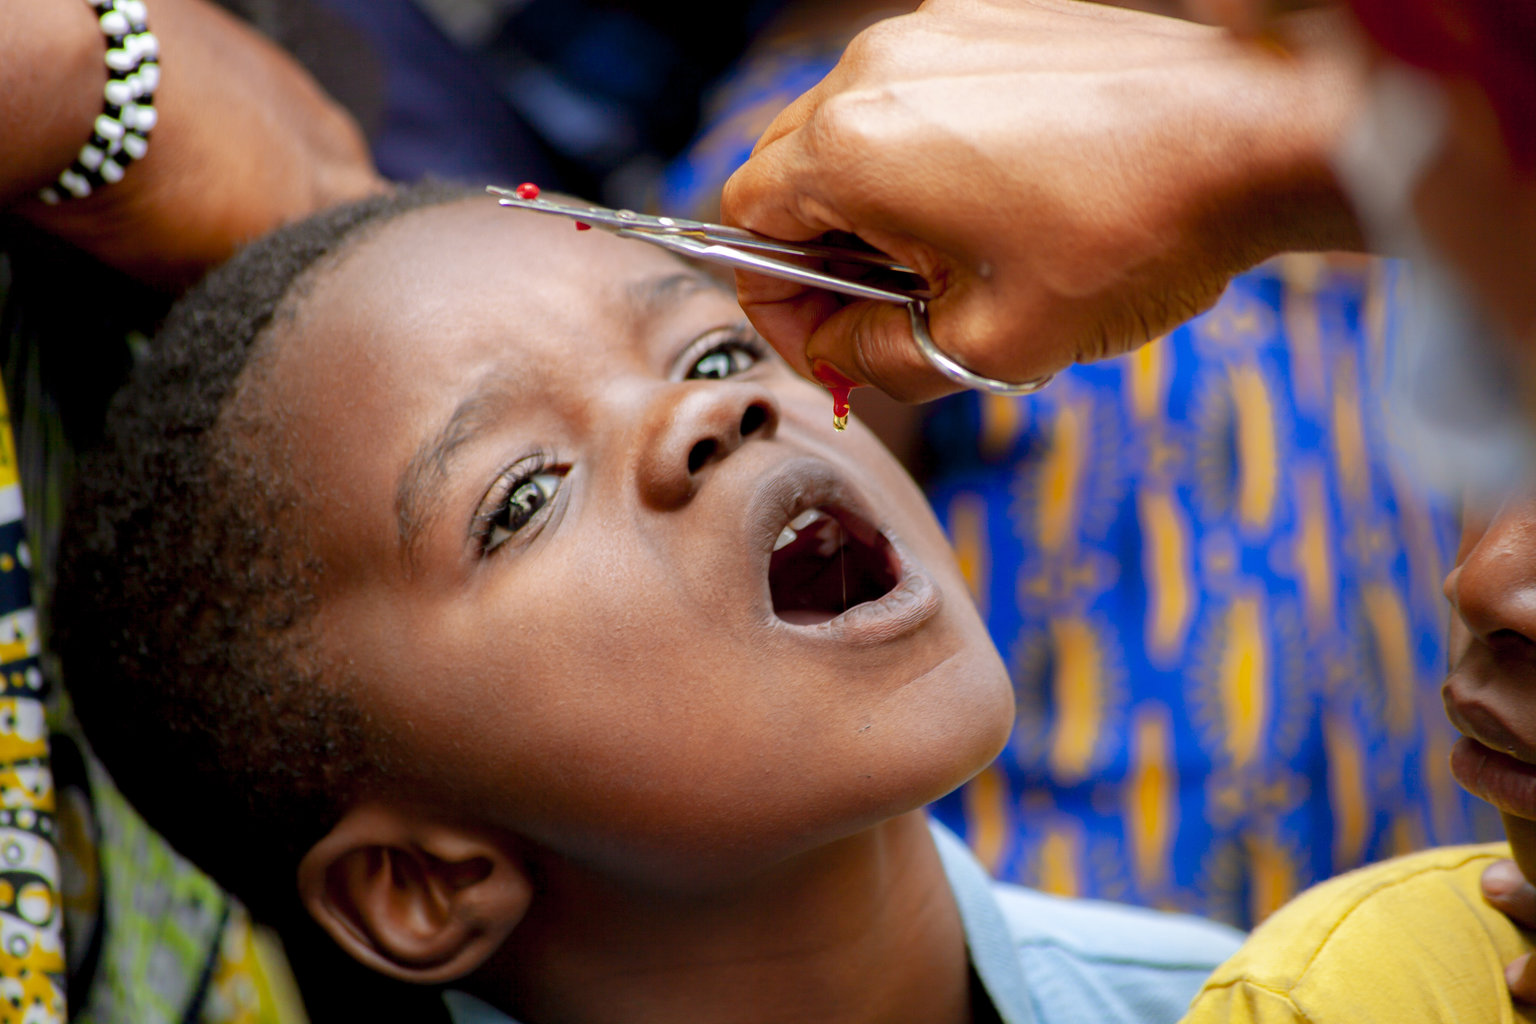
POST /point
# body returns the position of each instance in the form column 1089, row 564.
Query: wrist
column 120, row 133
column 50, row 93
column 1282, row 113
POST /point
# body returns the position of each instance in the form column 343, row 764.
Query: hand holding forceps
column 747, row 250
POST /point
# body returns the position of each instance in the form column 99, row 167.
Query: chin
column 954, row 731
column 991, row 721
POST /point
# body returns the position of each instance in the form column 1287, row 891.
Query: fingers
column 871, row 342
column 868, row 342
column 756, row 197
column 768, row 195
column 772, row 193
column 1521, row 976
column 786, row 314
column 1507, row 891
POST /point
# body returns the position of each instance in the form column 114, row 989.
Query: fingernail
column 1502, row 878
column 1515, row 969
column 829, row 376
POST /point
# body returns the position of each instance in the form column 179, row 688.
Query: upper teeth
column 831, row 531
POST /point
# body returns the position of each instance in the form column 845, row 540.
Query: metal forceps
column 747, row 250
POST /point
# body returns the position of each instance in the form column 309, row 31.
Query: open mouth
column 826, row 561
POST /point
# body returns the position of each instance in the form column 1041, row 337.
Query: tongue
column 805, row 616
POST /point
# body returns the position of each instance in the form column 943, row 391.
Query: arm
column 1072, row 179
column 245, row 140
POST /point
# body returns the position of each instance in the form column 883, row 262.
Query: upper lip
column 1465, row 696
column 799, row 484
column 1478, row 723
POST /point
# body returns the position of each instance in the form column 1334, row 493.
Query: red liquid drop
column 583, row 227
column 840, row 386
column 527, row 190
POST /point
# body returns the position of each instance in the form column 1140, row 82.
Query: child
column 488, row 589
column 1412, row 940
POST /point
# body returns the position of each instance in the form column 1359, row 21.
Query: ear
column 411, row 897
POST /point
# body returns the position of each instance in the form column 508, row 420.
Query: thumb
column 1507, row 891
column 871, row 343
column 1521, row 977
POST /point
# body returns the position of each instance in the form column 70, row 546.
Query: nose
column 1493, row 586
column 692, row 428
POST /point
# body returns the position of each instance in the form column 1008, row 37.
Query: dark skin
column 1071, row 179
column 1074, row 180
column 1487, row 695
column 635, row 792
column 245, row 139
column 1473, row 203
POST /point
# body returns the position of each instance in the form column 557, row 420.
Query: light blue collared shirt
column 1048, row 960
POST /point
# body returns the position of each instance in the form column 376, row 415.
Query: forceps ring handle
column 917, row 313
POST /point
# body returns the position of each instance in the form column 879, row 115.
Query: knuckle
column 733, row 197
column 858, row 118
column 879, row 45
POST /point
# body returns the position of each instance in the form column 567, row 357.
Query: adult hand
column 1507, row 891
column 245, row 139
column 1072, row 179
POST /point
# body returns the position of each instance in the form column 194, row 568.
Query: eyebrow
column 427, row 470
column 653, row 294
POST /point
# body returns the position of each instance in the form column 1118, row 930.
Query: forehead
column 452, row 267
column 441, row 296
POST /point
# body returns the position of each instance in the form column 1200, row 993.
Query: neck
column 862, row 931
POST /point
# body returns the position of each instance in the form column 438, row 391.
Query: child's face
column 1490, row 694
column 547, row 557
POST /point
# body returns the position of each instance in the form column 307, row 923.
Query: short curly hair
column 183, row 613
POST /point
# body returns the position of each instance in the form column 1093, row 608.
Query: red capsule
column 527, row 190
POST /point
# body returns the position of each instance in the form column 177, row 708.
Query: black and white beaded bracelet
column 121, row 132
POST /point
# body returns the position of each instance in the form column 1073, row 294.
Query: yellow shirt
column 1406, row 941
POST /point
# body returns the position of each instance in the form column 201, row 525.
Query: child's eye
column 735, row 354
column 515, row 507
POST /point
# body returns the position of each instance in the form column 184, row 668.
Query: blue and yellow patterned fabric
column 1220, row 601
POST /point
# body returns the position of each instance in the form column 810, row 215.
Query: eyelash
column 739, row 338
column 541, row 471
column 538, row 470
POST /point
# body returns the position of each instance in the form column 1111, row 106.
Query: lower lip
column 913, row 601
column 1507, row 783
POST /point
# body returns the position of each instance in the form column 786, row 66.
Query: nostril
column 700, row 454
column 753, row 419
